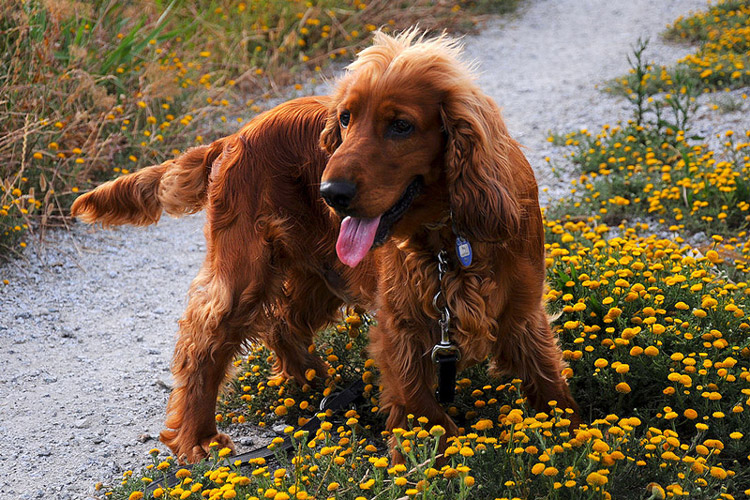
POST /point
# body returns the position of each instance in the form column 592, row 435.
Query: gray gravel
column 88, row 320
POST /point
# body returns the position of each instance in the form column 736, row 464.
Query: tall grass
column 89, row 90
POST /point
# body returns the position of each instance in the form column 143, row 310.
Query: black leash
column 334, row 402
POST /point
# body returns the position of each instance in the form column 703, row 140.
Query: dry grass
column 96, row 89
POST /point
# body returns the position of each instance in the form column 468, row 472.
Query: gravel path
column 87, row 322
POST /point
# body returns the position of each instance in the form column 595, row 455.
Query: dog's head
column 407, row 122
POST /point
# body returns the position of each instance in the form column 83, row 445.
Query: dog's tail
column 176, row 186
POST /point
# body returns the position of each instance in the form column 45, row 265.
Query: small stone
column 83, row 423
column 164, row 383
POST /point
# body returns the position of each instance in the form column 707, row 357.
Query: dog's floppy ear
column 330, row 138
column 479, row 170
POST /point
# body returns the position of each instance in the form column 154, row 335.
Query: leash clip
column 444, row 350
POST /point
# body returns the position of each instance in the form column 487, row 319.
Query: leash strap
column 446, row 390
column 334, row 402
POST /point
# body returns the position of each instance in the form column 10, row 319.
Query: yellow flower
column 600, row 446
column 136, row 495
column 596, row 479
column 651, row 351
column 718, row 473
column 622, row 387
column 656, row 491
column 636, row 351
column 483, row 425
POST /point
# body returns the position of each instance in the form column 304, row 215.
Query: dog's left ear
column 330, row 138
column 479, row 170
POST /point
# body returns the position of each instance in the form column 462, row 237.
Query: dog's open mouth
column 358, row 234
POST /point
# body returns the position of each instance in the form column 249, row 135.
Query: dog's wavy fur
column 271, row 273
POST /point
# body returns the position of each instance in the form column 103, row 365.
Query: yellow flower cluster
column 688, row 185
column 724, row 33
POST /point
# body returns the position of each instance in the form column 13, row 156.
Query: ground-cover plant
column 722, row 60
column 651, row 167
column 658, row 344
column 631, row 171
column 92, row 90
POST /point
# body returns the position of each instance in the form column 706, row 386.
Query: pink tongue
column 355, row 239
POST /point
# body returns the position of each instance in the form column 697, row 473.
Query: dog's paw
column 203, row 449
column 194, row 450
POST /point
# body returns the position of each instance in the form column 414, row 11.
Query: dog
column 349, row 199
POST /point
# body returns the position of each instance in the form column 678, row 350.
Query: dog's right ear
column 330, row 138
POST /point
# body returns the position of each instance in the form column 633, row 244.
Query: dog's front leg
column 528, row 349
column 407, row 376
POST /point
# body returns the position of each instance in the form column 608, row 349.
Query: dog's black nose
column 338, row 194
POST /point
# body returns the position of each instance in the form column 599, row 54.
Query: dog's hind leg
column 307, row 307
column 228, row 306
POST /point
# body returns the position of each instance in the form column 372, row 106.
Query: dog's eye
column 400, row 128
column 344, row 118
